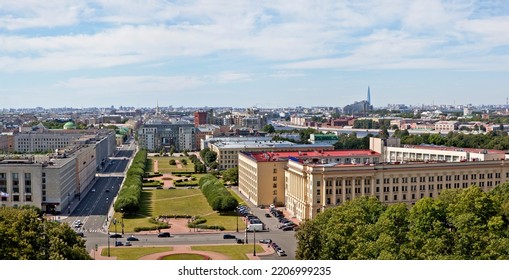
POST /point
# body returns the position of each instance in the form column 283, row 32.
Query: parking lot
column 283, row 239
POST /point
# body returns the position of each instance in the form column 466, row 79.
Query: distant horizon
column 273, row 54
column 259, row 107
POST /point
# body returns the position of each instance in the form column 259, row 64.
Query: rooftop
column 454, row 149
column 284, row 156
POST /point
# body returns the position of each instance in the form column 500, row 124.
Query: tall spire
column 369, row 96
column 157, row 107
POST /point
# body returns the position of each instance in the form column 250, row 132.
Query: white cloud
column 232, row 77
column 299, row 34
column 137, row 84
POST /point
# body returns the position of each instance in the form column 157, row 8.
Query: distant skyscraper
column 369, row 96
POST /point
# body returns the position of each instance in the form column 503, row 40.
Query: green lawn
column 235, row 252
column 175, row 202
column 165, row 167
column 149, row 165
column 133, row 253
column 239, row 200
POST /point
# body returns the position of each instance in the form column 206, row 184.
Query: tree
column 269, row 128
column 183, row 161
column 172, row 162
column 231, row 175
column 172, row 150
column 25, row 235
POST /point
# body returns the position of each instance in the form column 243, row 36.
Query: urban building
column 262, row 174
column 53, row 181
column 158, row 135
column 314, row 181
column 330, row 139
column 446, row 126
column 228, row 149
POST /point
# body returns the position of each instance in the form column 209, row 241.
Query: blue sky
column 100, row 53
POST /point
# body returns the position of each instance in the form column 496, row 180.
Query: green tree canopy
column 25, row 235
column 461, row 224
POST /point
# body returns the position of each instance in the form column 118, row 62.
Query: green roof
column 69, row 125
column 325, row 137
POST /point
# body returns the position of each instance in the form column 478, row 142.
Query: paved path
column 185, row 249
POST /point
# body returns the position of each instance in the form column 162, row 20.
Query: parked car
column 164, row 234
column 240, row 241
column 119, row 243
column 281, row 252
column 132, row 238
column 81, row 234
column 128, row 243
column 229, row 236
column 268, row 215
column 287, row 228
column 116, row 235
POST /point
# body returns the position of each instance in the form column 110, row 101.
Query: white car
column 93, row 190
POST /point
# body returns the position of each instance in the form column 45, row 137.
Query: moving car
column 240, row 241
column 268, row 215
column 132, row 238
column 266, row 241
column 128, row 243
column 164, row 234
column 229, row 236
column 116, row 235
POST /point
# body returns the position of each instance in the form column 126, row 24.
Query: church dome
column 69, row 125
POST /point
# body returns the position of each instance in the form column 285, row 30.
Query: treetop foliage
column 25, row 235
column 463, row 224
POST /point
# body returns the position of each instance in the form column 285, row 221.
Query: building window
column 395, row 197
column 275, row 170
column 274, row 192
column 404, row 197
column 317, row 183
column 274, row 178
column 274, row 185
column 386, row 197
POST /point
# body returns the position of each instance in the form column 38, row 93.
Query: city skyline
column 252, row 54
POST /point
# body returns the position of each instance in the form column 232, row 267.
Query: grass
column 133, row 253
column 138, row 220
column 184, row 257
column 175, row 202
column 239, row 200
column 149, row 165
column 165, row 167
column 234, row 252
column 180, row 202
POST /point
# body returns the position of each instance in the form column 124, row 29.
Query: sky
column 267, row 54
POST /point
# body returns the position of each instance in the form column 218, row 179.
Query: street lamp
column 237, row 218
column 115, row 223
column 254, row 242
column 108, row 243
column 246, row 235
column 122, row 210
